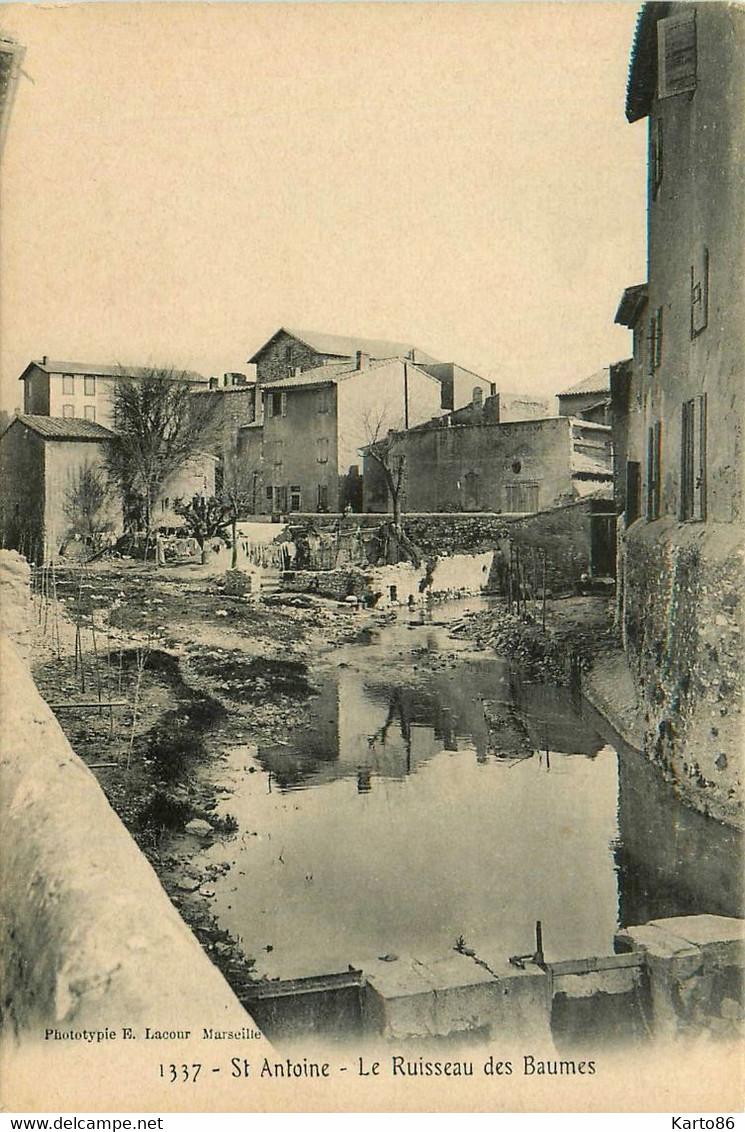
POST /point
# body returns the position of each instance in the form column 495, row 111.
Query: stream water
column 397, row 821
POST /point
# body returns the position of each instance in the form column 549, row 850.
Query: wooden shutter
column 658, row 339
column 686, row 460
column 700, row 294
column 657, row 154
column 654, row 478
column 676, row 54
column 633, row 491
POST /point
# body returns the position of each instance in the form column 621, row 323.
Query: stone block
column 720, row 938
column 398, row 1000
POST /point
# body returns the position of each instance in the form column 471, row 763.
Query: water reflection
column 371, row 728
column 467, row 803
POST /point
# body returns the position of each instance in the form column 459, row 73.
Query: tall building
column 683, row 399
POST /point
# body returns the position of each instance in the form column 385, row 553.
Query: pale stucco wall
column 88, row 937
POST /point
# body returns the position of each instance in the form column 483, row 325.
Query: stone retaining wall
column 682, row 613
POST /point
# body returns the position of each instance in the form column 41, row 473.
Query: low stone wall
column 683, row 590
column 563, row 533
column 403, row 584
column 88, row 937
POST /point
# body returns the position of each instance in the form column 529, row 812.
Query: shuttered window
column 656, row 155
column 676, row 54
column 693, row 459
column 654, row 471
column 633, row 491
column 521, row 497
column 655, row 340
column 700, row 293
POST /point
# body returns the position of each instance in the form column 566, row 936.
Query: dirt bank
column 578, row 631
column 183, row 671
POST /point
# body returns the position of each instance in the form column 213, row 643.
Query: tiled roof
column 341, row 347
column 596, row 383
column 340, row 371
column 50, row 366
column 63, row 428
column 642, row 78
column 631, row 305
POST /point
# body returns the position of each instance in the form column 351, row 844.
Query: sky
column 179, row 181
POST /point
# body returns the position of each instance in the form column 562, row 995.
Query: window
column 324, row 401
column 269, row 498
column 276, row 404
column 323, row 497
column 90, row 412
column 68, row 411
column 68, row 383
column 322, row 450
column 654, row 479
column 655, row 340
column 89, row 385
column 164, row 504
column 633, row 491
column 676, row 54
column 295, row 499
column 700, row 294
column 693, row 460
column 521, row 497
column 655, row 163
column 477, row 397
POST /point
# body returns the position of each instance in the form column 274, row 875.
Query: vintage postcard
column 371, row 557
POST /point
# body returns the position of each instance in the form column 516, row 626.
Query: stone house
column 41, row 459
column 77, row 390
column 681, row 406
column 589, row 398
column 233, row 406
column 290, row 352
column 467, row 461
column 307, row 452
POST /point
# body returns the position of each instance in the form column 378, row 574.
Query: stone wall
column 682, row 620
column 88, row 937
column 401, row 584
column 564, row 533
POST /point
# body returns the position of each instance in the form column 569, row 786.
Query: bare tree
column 159, row 425
column 383, row 446
column 237, row 493
column 89, row 502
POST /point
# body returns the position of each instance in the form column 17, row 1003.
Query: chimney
column 492, row 388
column 362, row 360
column 225, row 379
column 213, row 383
column 296, row 371
column 491, row 408
column 45, row 360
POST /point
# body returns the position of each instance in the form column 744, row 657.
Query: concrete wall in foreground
column 88, row 938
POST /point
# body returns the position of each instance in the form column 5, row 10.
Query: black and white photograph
column 372, row 389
